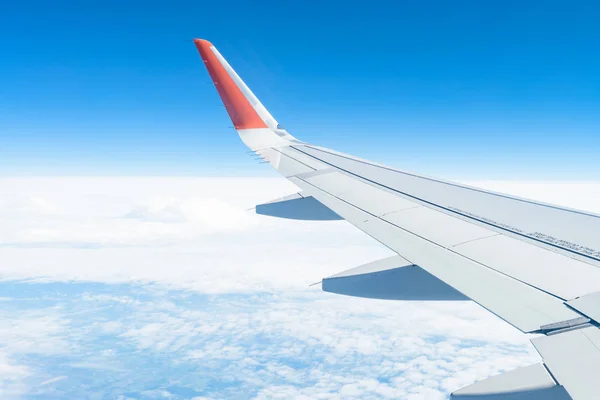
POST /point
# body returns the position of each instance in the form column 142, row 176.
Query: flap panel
column 588, row 305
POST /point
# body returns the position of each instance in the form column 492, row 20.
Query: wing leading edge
column 535, row 265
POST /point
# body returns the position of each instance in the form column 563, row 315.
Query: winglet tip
column 202, row 43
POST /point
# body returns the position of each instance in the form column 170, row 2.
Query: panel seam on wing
column 476, row 239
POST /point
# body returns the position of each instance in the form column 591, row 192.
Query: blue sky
column 464, row 90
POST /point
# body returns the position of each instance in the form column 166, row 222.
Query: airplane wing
column 535, row 265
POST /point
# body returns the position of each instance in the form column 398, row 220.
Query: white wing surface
column 535, row 265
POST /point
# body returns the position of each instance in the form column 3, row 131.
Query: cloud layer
column 171, row 288
column 142, row 341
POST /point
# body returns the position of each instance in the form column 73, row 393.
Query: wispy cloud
column 53, row 380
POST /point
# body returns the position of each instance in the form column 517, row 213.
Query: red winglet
column 241, row 112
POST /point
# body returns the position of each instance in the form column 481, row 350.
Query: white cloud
column 53, row 380
column 34, row 205
column 36, row 332
column 118, row 212
column 12, row 377
column 209, row 213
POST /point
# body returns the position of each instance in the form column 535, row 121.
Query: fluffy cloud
column 304, row 344
column 134, row 216
column 210, row 214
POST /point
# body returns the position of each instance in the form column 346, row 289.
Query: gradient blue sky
column 458, row 89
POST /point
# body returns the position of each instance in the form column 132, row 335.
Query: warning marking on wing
column 565, row 244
